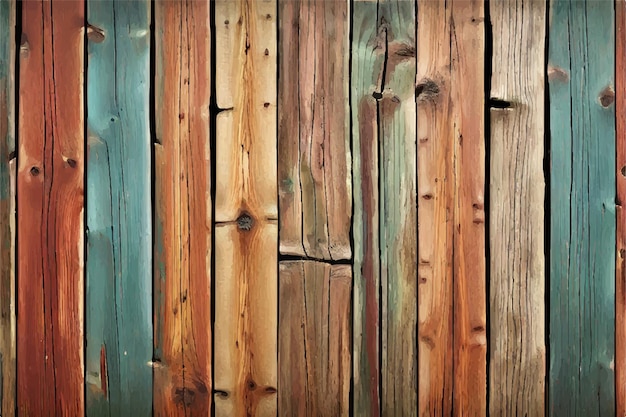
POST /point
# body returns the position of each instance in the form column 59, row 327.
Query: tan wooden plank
column 517, row 299
column 314, row 163
column 182, row 368
column 246, row 302
column 246, row 134
column 314, row 339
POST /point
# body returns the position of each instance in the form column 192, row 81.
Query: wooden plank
column 314, row 152
column 452, row 265
column 314, row 339
column 50, row 209
column 182, row 375
column 620, row 272
column 7, row 208
column 246, row 86
column 246, row 302
column 119, row 264
column 516, row 233
column 384, row 114
column 582, row 218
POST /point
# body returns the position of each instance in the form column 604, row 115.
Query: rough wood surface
column 182, row 374
column 582, row 212
column 384, row 137
column 517, row 290
column 620, row 273
column 119, row 228
column 452, row 269
column 50, row 210
column 7, row 208
column 314, row 339
column 313, row 142
column 246, row 301
column 246, row 89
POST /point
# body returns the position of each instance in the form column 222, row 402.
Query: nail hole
column 245, row 222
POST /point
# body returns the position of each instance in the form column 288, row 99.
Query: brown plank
column 182, row 368
column 7, row 208
column 314, row 157
column 50, row 210
column 517, row 281
column 246, row 302
column 314, row 339
column 620, row 282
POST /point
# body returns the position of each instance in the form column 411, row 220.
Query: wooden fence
column 312, row 208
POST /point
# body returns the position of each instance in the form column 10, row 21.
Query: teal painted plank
column 7, row 208
column 119, row 265
column 582, row 218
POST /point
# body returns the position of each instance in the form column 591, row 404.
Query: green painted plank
column 582, row 219
column 119, row 267
column 7, row 208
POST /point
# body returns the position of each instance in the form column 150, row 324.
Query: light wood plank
column 182, row 374
column 582, row 211
column 314, row 339
column 119, row 214
column 313, row 141
column 50, row 189
column 517, row 282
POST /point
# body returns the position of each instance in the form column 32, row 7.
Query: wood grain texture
column 119, row 240
column 314, row 339
column 582, row 213
column 246, row 89
column 517, row 289
column 182, row 374
column 246, row 301
column 452, row 267
column 313, row 142
column 620, row 174
column 384, row 136
column 50, row 210
column 7, row 208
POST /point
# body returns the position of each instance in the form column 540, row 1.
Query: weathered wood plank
column 620, row 273
column 516, row 233
column 452, row 268
column 246, row 86
column 245, row 332
column 50, row 210
column 182, row 375
column 314, row 152
column 7, row 208
column 314, row 339
column 582, row 218
column 119, row 264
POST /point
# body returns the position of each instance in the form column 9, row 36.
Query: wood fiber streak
column 7, row 208
column 452, row 267
column 314, row 349
column 516, row 238
column 119, row 213
column 50, row 210
column 182, row 353
column 245, row 359
column 314, row 179
column 620, row 174
column 246, row 87
column 582, row 212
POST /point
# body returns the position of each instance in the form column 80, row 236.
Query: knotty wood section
column 119, row 235
column 582, row 219
column 620, row 273
column 7, row 208
column 516, row 233
column 246, row 210
column 384, row 136
column 313, row 142
column 452, row 267
column 50, row 210
column 314, row 339
column 182, row 374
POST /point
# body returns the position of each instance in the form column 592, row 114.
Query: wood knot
column 607, row 97
column 251, row 385
column 35, row 171
column 221, row 394
column 95, row 34
column 245, row 222
column 71, row 163
column 184, row 396
column 24, row 45
column 426, row 90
